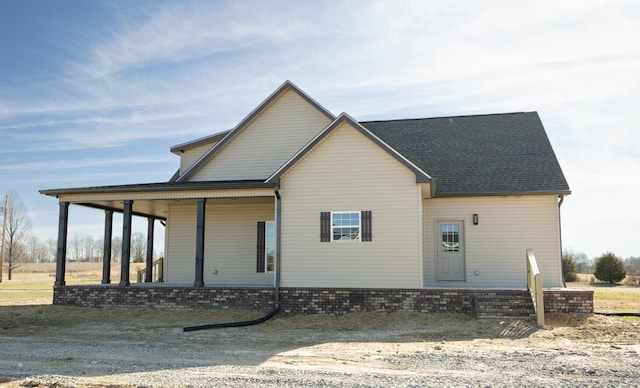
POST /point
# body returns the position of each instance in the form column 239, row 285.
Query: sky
column 96, row 92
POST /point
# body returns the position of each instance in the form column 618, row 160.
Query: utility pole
column 4, row 227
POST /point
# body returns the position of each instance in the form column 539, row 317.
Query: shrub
column 569, row 269
column 609, row 268
column 632, row 281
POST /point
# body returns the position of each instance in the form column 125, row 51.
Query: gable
column 345, row 119
column 346, row 155
column 189, row 156
column 264, row 140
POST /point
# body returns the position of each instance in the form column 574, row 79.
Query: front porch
column 332, row 301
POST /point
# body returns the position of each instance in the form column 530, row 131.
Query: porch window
column 345, row 226
column 266, row 248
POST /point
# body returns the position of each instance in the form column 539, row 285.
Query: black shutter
column 365, row 220
column 325, row 226
column 260, row 255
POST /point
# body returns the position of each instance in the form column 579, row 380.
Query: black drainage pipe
column 234, row 324
column 619, row 314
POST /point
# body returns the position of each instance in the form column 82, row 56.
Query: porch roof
column 153, row 199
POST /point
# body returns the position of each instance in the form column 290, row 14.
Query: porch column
column 61, row 252
column 148, row 274
column 200, row 216
column 106, row 256
column 126, row 242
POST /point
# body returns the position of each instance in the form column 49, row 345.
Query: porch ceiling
column 159, row 208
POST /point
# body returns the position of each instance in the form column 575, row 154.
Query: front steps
column 501, row 305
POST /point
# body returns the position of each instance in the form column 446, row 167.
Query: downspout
column 276, row 282
column 564, row 283
column 278, row 234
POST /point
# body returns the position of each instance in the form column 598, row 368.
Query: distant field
column 33, row 284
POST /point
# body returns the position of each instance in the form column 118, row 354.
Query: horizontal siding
column 348, row 172
column 267, row 142
column 190, row 156
column 496, row 246
column 230, row 244
column 180, row 245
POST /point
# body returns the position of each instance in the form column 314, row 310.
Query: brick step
column 503, row 306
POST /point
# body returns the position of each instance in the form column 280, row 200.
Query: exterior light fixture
column 475, row 218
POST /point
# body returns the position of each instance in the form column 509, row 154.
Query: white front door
column 450, row 250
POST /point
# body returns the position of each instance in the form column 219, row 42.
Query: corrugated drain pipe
column 276, row 287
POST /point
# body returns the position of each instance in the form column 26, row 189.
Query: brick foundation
column 333, row 301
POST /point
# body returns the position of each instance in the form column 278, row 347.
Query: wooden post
column 106, row 256
column 200, row 224
column 61, row 252
column 148, row 275
column 126, row 242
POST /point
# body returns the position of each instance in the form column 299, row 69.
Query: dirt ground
column 42, row 345
column 58, row 346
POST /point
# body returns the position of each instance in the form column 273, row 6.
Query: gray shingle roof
column 478, row 155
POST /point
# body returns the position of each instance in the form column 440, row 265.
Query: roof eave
column 156, row 187
column 503, row 193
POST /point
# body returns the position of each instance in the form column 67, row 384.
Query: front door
column 450, row 250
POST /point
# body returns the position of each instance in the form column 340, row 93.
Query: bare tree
column 37, row 250
column 116, row 249
column 52, row 250
column 138, row 247
column 17, row 233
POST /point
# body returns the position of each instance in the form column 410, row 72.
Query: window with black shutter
column 346, row 226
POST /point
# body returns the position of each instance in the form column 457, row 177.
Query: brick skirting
column 333, row 301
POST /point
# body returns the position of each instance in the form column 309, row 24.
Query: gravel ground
column 54, row 346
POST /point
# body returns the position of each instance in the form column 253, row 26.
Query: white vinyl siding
column 267, row 142
column 507, row 226
column 348, row 171
column 190, row 156
column 230, row 243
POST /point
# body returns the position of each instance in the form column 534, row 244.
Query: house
column 332, row 214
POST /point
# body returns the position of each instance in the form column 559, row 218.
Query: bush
column 609, row 268
column 569, row 269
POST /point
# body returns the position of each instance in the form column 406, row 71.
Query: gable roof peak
column 286, row 85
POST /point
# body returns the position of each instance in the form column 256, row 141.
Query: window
column 450, row 237
column 270, row 246
column 266, row 252
column 345, row 226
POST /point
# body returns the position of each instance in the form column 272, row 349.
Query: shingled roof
column 498, row 154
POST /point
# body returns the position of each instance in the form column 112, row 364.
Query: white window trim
column 359, row 225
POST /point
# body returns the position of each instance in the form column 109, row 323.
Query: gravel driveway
column 56, row 346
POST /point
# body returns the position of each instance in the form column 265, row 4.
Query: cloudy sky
column 95, row 92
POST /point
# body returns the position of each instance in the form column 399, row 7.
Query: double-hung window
column 345, row 226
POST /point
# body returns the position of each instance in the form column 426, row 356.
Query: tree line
column 21, row 246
